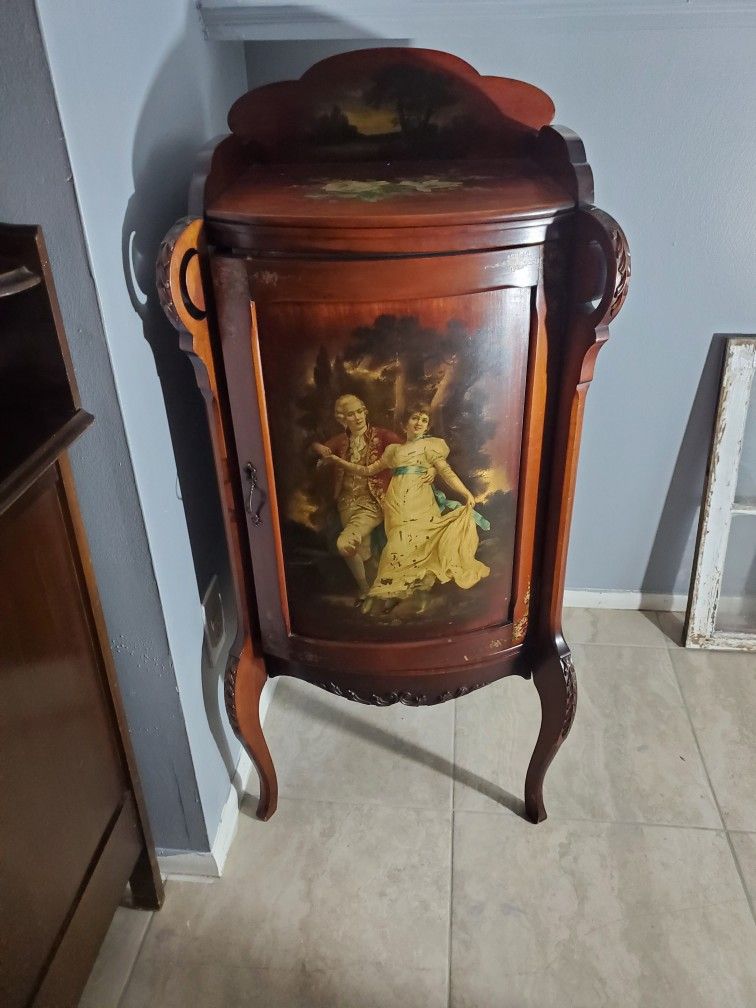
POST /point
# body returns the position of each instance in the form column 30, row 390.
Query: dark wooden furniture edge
column 146, row 882
column 145, row 878
column 67, row 969
column 599, row 288
column 35, row 464
column 125, row 850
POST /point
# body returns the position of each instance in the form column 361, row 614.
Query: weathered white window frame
column 720, row 503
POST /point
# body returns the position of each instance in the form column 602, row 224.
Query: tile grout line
column 505, row 813
column 730, row 844
column 357, row 803
column 451, row 855
column 607, row 644
column 602, row 822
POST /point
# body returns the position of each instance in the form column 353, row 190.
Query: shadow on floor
column 311, row 706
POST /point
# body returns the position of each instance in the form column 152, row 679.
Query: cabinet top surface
column 386, row 194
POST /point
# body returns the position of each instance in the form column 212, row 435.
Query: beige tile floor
column 398, row 870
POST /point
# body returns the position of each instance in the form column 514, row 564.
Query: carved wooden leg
column 245, row 679
column 557, row 687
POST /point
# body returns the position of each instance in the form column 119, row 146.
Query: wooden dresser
column 73, row 826
column 394, row 290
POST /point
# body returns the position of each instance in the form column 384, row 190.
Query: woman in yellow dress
column 429, row 538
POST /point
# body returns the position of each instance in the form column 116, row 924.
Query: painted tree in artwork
column 333, row 126
column 416, row 94
column 439, row 369
column 315, row 405
column 464, row 426
column 411, row 357
column 332, row 378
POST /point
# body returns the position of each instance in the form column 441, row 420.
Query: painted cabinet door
column 381, row 411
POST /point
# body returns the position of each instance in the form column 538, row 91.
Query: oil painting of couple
column 429, row 538
column 397, row 437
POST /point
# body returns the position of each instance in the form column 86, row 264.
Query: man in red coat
column 359, row 499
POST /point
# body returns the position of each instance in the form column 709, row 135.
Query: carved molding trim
column 570, row 683
column 398, row 696
column 163, row 271
column 622, row 257
column 605, row 230
column 229, row 694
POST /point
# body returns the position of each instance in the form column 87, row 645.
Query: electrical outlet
column 214, row 619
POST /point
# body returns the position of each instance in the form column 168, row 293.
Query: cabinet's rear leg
column 146, row 884
column 557, row 687
column 245, row 679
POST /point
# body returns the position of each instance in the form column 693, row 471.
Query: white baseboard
column 199, row 865
column 624, row 600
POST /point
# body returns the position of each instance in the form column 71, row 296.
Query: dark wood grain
column 601, row 274
column 40, row 396
column 74, row 825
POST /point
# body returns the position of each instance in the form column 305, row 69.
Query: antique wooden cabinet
column 394, row 290
column 72, row 818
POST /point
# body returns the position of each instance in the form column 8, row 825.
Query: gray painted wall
column 139, row 91
column 664, row 104
column 37, row 188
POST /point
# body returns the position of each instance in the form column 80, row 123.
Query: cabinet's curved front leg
column 187, row 301
column 601, row 276
column 557, row 688
column 245, row 679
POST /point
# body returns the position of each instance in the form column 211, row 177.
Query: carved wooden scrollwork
column 398, row 696
column 229, row 694
column 618, row 256
column 622, row 259
column 177, row 276
column 570, row 683
column 597, row 226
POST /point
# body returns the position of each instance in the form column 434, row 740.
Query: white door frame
column 720, row 503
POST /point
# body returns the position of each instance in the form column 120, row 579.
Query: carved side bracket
column 177, row 277
column 181, row 293
column 601, row 281
column 597, row 228
column 182, row 296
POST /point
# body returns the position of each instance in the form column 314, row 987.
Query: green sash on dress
column 444, row 504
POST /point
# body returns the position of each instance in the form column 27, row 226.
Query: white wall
column 664, row 96
column 139, row 91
